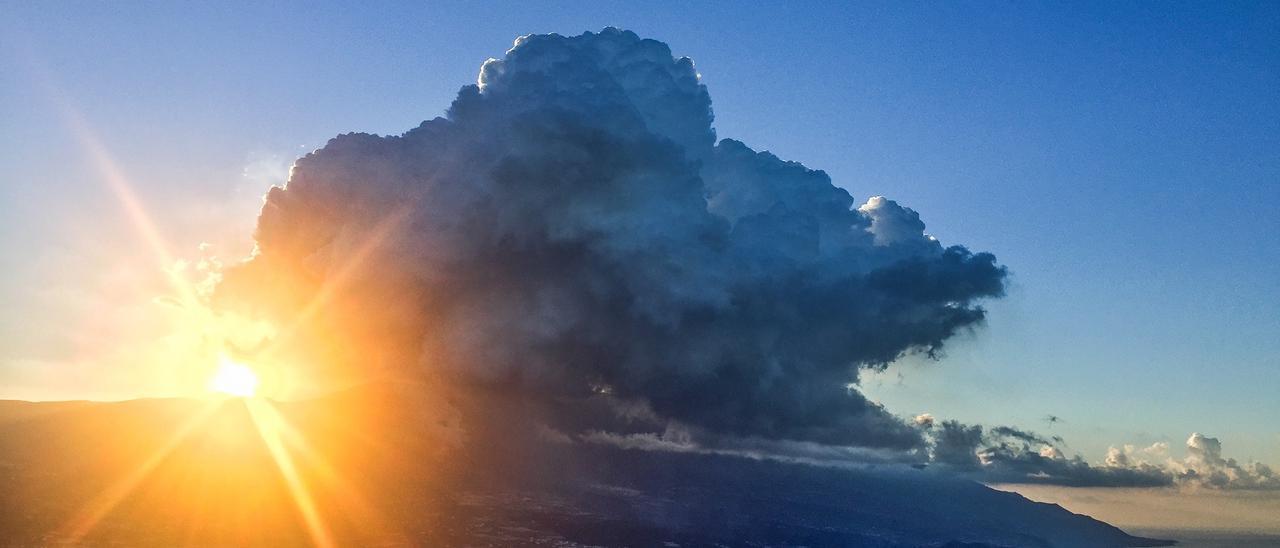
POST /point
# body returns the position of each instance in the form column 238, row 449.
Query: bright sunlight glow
column 234, row 378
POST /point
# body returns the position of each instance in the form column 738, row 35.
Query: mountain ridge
column 429, row 471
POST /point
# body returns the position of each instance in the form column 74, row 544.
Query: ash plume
column 573, row 230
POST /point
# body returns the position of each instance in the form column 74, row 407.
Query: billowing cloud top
column 572, row 227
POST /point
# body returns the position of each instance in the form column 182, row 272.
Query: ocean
column 1213, row 539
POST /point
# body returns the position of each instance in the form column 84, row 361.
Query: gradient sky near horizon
column 1123, row 160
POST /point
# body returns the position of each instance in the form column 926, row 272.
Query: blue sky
column 1123, row 160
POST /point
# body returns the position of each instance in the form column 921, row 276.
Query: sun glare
column 233, row 378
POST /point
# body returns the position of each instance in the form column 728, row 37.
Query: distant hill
column 386, row 466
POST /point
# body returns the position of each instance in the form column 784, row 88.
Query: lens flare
column 233, row 378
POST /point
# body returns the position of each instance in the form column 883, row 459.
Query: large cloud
column 572, row 228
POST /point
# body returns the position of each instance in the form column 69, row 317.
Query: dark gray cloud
column 573, row 228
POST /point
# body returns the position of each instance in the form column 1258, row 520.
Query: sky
column 1122, row 160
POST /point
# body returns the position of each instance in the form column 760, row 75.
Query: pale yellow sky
column 1166, row 508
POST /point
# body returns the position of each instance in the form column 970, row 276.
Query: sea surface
column 1212, row 539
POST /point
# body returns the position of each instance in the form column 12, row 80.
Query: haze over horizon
column 1120, row 162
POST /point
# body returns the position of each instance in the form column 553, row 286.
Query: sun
column 234, row 378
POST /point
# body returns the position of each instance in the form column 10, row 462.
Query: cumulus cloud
column 924, row 420
column 1204, row 466
column 572, row 228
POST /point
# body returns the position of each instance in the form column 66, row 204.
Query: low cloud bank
column 1009, row 455
column 999, row 454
